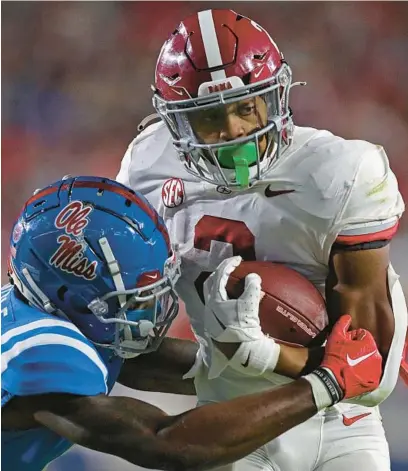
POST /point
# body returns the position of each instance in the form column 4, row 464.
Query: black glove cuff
column 331, row 384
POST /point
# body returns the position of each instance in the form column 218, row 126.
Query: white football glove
column 232, row 320
column 237, row 320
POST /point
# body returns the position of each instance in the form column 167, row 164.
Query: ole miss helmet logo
column 173, row 192
column 69, row 257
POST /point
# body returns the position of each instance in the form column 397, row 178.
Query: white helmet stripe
column 211, row 46
column 113, row 269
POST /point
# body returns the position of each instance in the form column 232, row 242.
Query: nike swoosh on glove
column 237, row 321
column 353, row 358
column 352, row 366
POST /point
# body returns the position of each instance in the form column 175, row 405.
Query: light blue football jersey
column 41, row 354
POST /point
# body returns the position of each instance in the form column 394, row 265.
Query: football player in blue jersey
column 92, row 277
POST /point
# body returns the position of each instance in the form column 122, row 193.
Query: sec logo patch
column 173, row 192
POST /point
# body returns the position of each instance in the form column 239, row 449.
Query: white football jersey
column 322, row 189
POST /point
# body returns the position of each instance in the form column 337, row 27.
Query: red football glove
column 353, row 358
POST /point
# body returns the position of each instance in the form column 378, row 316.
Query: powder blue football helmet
column 95, row 252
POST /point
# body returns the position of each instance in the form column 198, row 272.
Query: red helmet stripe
column 41, row 194
column 132, row 197
column 211, row 45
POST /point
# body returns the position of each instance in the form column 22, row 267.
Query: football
column 292, row 309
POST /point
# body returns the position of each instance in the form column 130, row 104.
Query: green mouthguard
column 239, row 157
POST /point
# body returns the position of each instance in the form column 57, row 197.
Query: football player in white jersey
column 233, row 176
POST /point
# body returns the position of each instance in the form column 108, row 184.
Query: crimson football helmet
column 213, row 62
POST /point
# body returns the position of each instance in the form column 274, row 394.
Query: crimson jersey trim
column 353, row 239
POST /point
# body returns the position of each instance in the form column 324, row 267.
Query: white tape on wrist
column 321, row 395
column 253, row 358
column 332, row 393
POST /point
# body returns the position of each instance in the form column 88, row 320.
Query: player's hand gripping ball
column 291, row 309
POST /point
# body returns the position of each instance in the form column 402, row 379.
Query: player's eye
column 136, row 305
column 246, row 109
column 213, row 116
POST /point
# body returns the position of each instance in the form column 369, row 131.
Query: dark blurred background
column 76, row 82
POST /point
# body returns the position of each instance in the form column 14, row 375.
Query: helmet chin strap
column 45, row 301
column 40, row 300
column 147, row 121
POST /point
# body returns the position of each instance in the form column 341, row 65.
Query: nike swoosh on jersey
column 347, row 421
column 271, row 193
column 356, row 361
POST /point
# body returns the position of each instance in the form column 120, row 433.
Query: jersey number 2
column 215, row 228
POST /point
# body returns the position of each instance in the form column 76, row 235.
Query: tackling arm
column 201, row 438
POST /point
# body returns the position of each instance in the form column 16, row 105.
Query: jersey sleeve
column 374, row 204
column 50, row 356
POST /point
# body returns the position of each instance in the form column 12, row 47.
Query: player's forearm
column 292, row 361
column 297, row 361
column 202, row 438
column 162, row 371
column 221, row 433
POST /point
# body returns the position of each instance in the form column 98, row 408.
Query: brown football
column 292, row 309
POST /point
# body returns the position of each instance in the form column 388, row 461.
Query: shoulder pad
column 149, row 162
column 50, row 355
column 374, row 204
column 324, row 170
column 144, row 151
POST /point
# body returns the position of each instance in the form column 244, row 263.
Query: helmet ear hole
column 61, row 292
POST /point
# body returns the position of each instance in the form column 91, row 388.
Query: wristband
column 325, row 388
column 253, row 358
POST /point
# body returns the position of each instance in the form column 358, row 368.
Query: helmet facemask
column 197, row 124
column 142, row 315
